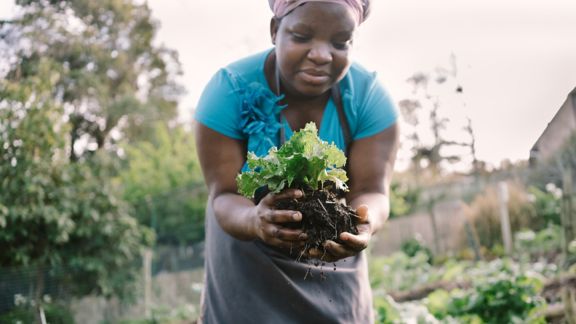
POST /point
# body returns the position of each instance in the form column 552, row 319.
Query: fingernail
column 296, row 216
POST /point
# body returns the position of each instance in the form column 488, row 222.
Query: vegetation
column 95, row 167
column 403, row 199
column 163, row 181
column 84, row 91
column 487, row 292
column 304, row 161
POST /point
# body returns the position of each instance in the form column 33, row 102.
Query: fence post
column 567, row 211
column 568, row 235
column 472, row 239
column 504, row 217
column 147, row 274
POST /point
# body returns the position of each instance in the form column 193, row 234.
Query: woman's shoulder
column 249, row 67
column 361, row 76
column 360, row 69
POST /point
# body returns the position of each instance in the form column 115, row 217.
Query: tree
column 55, row 214
column 116, row 83
column 428, row 137
column 164, row 181
column 78, row 78
column 430, row 154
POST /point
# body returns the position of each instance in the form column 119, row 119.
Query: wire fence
column 17, row 285
column 167, row 284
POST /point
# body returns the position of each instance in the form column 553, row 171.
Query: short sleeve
column 376, row 112
column 218, row 107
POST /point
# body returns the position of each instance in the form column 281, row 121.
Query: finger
column 315, row 253
column 279, row 233
column 283, row 216
column 288, row 194
column 355, row 242
column 363, row 213
column 364, row 229
column 322, row 254
column 339, row 251
column 270, row 198
column 290, row 235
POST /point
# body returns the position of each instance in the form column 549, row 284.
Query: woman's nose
column 320, row 54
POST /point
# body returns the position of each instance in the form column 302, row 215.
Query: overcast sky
column 516, row 58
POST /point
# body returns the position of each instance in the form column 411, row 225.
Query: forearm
column 233, row 213
column 378, row 206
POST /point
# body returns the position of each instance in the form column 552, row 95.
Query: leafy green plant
column 415, row 245
column 512, row 299
column 541, row 242
column 547, row 205
column 400, row 272
column 389, row 312
column 385, row 311
column 305, row 161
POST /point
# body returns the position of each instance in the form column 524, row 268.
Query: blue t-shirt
column 238, row 103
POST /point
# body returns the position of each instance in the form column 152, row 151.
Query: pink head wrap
column 283, row 7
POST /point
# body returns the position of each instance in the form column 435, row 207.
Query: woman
column 258, row 102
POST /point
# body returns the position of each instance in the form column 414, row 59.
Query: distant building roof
column 559, row 129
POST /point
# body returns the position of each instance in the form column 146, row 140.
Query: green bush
column 547, row 205
column 512, row 299
column 539, row 243
column 399, row 272
column 385, row 311
column 55, row 314
column 403, row 199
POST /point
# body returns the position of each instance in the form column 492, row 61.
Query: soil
column 324, row 216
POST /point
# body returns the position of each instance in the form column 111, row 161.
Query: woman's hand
column 269, row 224
column 352, row 244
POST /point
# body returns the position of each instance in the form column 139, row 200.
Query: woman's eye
column 342, row 45
column 300, row 38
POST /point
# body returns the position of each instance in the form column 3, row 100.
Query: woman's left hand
column 351, row 244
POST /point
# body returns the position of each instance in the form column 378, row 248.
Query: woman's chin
column 311, row 91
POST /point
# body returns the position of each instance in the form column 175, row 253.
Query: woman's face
column 313, row 45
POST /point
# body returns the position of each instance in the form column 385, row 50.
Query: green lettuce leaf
column 305, row 161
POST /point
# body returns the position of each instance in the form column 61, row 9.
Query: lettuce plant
column 304, row 162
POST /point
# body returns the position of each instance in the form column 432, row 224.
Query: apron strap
column 342, row 117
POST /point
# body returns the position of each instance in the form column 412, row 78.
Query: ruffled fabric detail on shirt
column 259, row 113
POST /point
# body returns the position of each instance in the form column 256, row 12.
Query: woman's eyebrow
column 300, row 26
column 344, row 34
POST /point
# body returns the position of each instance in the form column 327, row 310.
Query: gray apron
column 250, row 282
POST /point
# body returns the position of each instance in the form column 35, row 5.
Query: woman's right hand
column 269, row 223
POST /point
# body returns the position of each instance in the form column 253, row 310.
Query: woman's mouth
column 315, row 77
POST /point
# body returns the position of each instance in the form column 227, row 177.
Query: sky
column 516, row 59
